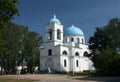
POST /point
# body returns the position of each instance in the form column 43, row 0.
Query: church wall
column 64, row 48
column 55, row 49
column 82, row 49
column 42, row 63
column 48, row 27
column 59, row 62
column 54, row 27
column 75, row 39
column 76, row 67
column 84, row 64
column 54, row 58
column 52, row 62
column 63, row 67
column 56, row 65
column 64, row 57
column 79, row 50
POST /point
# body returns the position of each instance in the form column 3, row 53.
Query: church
column 64, row 50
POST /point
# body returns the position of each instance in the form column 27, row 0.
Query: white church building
column 64, row 50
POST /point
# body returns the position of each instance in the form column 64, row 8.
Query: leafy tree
column 7, row 11
column 99, row 41
column 106, row 37
column 11, row 36
column 105, row 47
column 107, row 62
column 113, row 30
column 32, row 51
column 21, row 46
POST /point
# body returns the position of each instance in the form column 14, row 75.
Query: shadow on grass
column 98, row 79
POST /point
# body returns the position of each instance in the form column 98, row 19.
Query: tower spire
column 72, row 22
column 54, row 15
column 54, row 19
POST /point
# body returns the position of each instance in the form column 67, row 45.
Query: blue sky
column 87, row 14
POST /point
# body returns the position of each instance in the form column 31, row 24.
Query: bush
column 23, row 71
column 107, row 62
column 80, row 73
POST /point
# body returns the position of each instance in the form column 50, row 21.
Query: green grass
column 80, row 74
column 8, row 79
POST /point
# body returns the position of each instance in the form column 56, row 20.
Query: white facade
column 64, row 52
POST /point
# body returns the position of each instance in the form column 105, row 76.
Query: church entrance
column 49, row 65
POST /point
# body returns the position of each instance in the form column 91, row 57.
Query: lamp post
column 73, row 64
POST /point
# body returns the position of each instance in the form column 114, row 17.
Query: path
column 64, row 78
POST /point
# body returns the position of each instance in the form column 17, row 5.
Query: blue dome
column 73, row 31
column 54, row 20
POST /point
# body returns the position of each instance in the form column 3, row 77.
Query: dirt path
column 63, row 78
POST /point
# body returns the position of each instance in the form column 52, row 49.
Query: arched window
column 77, row 64
column 58, row 34
column 66, row 40
column 50, row 52
column 64, row 52
column 50, row 34
column 86, row 54
column 65, row 63
column 76, row 54
column 78, row 40
column 72, row 39
column 82, row 41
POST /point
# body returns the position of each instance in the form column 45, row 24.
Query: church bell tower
column 54, row 31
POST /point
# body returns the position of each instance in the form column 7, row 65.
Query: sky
column 85, row 14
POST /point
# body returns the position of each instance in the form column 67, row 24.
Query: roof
column 54, row 20
column 73, row 31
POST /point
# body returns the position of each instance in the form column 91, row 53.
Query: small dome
column 73, row 31
column 54, row 20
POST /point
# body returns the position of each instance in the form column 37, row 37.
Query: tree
column 107, row 62
column 22, row 47
column 11, row 36
column 105, row 46
column 7, row 11
column 32, row 51
column 106, row 37
column 99, row 41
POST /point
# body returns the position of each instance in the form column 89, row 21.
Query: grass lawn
column 8, row 79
